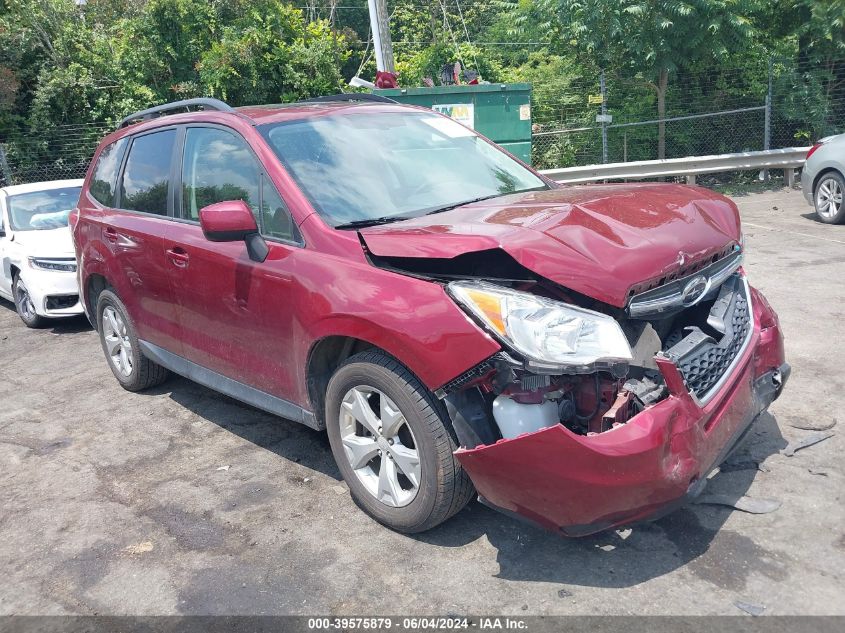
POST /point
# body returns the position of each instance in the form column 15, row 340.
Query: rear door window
column 146, row 177
column 218, row 166
column 104, row 179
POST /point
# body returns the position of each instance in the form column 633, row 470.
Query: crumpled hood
column 46, row 242
column 599, row 240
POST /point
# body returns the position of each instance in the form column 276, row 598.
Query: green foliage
column 65, row 66
column 271, row 55
column 428, row 62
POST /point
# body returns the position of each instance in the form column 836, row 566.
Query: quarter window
column 218, row 166
column 275, row 217
column 146, row 176
column 105, row 173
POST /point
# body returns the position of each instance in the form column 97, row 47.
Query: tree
column 653, row 38
column 270, row 55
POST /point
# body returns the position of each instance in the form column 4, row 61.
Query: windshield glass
column 39, row 210
column 366, row 166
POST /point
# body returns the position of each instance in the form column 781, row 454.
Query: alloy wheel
column 117, row 341
column 24, row 301
column 829, row 198
column 380, row 446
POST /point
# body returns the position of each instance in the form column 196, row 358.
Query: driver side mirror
column 232, row 221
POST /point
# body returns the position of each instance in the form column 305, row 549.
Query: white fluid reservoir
column 514, row 418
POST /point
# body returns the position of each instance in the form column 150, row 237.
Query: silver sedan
column 823, row 179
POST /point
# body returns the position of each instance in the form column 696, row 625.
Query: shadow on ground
column 691, row 536
column 622, row 558
column 62, row 325
column 289, row 440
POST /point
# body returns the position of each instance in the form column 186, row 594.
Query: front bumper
column 647, row 467
column 53, row 293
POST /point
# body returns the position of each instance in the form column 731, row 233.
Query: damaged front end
column 593, row 416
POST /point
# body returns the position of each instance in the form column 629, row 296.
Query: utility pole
column 603, row 90
column 767, row 123
column 381, row 35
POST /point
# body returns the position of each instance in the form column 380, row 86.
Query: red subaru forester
column 459, row 324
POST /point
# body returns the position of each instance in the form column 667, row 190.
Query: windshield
column 39, row 210
column 364, row 167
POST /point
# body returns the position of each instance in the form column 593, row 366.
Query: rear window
column 146, row 176
column 42, row 210
column 104, row 180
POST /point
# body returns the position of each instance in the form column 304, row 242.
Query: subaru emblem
column 695, row 290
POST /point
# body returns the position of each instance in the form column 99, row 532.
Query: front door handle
column 112, row 235
column 178, row 257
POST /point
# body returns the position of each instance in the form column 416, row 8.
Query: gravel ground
column 182, row 501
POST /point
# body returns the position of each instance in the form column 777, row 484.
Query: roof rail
column 352, row 96
column 175, row 107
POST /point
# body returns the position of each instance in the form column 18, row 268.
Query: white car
column 36, row 250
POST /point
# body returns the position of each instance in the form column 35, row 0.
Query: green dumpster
column 501, row 112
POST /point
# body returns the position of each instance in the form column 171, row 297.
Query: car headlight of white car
column 53, row 264
column 551, row 335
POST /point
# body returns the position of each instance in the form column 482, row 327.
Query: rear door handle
column 112, row 235
column 178, row 257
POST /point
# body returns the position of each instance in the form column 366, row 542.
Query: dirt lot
column 183, row 501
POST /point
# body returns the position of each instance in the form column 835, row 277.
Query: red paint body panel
column 258, row 322
column 228, row 217
column 567, row 481
column 590, row 239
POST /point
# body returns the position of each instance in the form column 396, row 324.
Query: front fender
column 434, row 355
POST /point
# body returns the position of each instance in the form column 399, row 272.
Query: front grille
column 702, row 360
column 673, row 296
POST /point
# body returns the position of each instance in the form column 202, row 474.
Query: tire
column 133, row 370
column 829, row 198
column 24, row 306
column 443, row 487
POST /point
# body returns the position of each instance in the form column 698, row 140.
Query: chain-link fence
column 708, row 113
column 56, row 154
column 782, row 104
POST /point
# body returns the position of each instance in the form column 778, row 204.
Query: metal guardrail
column 789, row 159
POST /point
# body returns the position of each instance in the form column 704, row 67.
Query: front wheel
column 829, row 198
column 390, row 438
column 24, row 305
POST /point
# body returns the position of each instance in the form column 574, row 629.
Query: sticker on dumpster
column 525, row 112
column 461, row 112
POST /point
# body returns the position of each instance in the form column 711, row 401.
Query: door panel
column 139, row 234
column 138, row 245
column 234, row 313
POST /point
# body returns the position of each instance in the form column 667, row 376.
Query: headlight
column 59, row 265
column 551, row 335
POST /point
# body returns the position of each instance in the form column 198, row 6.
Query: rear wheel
column 390, row 439
column 829, row 198
column 24, row 305
column 119, row 339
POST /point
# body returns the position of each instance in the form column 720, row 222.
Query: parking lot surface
column 182, row 501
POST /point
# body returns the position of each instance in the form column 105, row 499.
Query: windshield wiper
column 495, row 195
column 460, row 204
column 359, row 224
